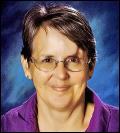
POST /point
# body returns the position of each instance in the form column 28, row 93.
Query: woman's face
column 59, row 88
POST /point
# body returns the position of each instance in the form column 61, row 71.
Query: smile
column 60, row 88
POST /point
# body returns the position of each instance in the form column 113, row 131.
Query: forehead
column 51, row 42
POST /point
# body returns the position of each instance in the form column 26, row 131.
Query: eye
column 73, row 59
column 47, row 60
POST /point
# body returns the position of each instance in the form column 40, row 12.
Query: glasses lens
column 74, row 64
column 46, row 64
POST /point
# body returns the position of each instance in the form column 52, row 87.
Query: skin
column 60, row 93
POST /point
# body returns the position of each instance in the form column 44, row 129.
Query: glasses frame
column 33, row 60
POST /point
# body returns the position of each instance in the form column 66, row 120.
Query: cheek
column 40, row 78
column 80, row 77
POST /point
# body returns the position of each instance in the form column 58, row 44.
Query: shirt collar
column 101, row 114
column 28, row 112
column 28, row 109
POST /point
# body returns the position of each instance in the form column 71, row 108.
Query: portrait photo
column 60, row 66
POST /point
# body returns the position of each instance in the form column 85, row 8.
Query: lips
column 60, row 88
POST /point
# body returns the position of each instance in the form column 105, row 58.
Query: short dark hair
column 66, row 20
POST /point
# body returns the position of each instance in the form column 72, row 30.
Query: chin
column 60, row 102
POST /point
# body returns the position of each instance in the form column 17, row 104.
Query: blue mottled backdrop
column 104, row 20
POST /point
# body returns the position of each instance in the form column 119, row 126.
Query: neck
column 50, row 119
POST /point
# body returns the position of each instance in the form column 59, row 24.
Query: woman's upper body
column 59, row 63
column 105, row 118
column 59, row 57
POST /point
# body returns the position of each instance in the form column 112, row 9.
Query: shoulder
column 11, row 113
column 17, row 119
column 109, row 117
column 10, row 119
column 113, row 123
column 105, row 117
column 114, row 111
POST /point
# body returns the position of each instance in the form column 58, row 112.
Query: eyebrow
column 52, row 56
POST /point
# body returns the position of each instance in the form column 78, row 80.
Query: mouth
column 60, row 88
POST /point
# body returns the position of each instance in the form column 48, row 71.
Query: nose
column 60, row 72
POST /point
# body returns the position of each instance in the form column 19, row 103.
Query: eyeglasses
column 71, row 63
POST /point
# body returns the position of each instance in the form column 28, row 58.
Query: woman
column 59, row 57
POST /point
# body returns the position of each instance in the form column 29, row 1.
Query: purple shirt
column 24, row 118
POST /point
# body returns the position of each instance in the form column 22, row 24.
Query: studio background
column 104, row 20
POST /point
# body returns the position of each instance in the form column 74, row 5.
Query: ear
column 26, row 67
column 90, row 71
